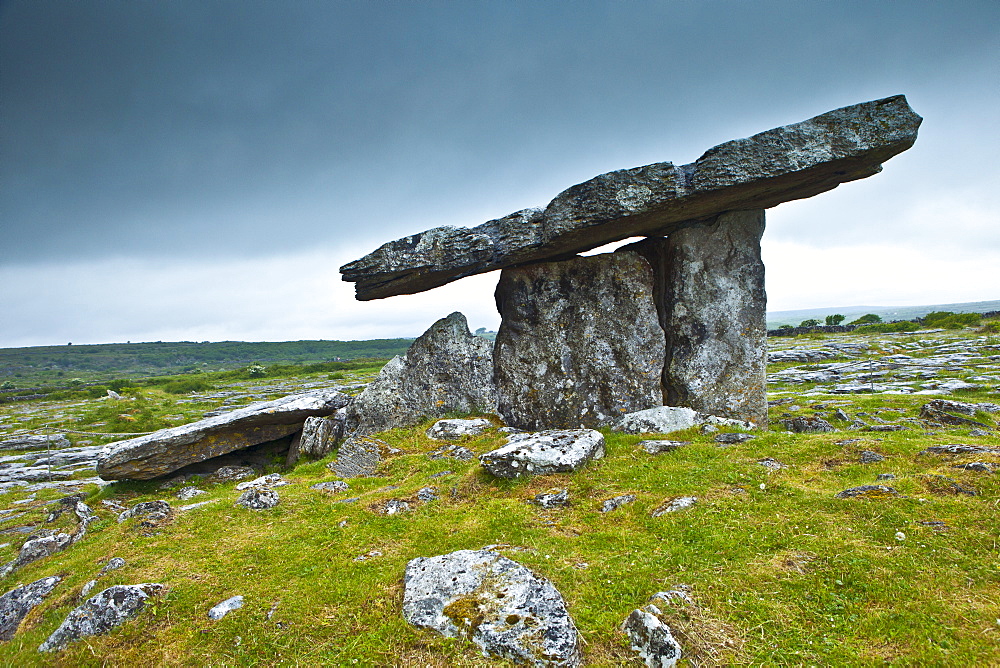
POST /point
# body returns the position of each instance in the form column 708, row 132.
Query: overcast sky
column 199, row 170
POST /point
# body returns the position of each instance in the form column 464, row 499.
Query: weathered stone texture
column 446, row 370
column 580, row 343
column 100, row 614
column 711, row 299
column 167, row 450
column 17, row 603
column 544, row 452
column 497, row 603
column 779, row 165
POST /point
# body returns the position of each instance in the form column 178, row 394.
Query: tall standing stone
column 714, row 314
column 580, row 343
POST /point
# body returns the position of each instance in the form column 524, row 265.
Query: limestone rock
column 454, row 451
column 808, row 425
column 331, row 486
column 100, row 614
column 18, row 602
column 167, row 450
column 189, row 492
column 665, row 419
column 269, row 480
column 867, row 492
column 114, row 563
column 358, row 457
column 651, row 638
column 580, row 342
column 453, row 430
column 258, row 498
column 497, row 603
column 36, row 442
column 320, row 436
column 962, row 407
column 732, row 438
column 446, row 370
column 222, row 609
column 779, row 165
column 148, row 510
column 552, row 499
column 616, row 502
column 655, row 447
column 672, row 506
column 711, row 302
column 233, row 473
column 539, row 453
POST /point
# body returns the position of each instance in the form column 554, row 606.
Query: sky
column 199, row 170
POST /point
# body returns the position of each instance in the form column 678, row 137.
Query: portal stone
column 712, row 304
column 580, row 344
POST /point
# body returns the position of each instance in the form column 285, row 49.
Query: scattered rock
column 500, row 605
column 655, row 447
column 100, row 614
column 222, row 609
column 154, row 511
column 772, row 464
column 331, row 486
column 940, row 484
column 446, row 370
column 982, row 467
column 454, row 451
column 233, row 473
column 959, row 449
column 187, row 493
column 114, row 563
column 665, row 419
column 868, row 492
column 651, row 637
column 808, row 425
column 870, row 457
column 258, row 498
column 18, row 602
column 961, row 407
column 427, row 494
column 394, row 507
column 454, row 430
column 167, row 450
column 358, row 457
column 886, row 476
column 269, row 480
column 672, row 506
column 556, row 498
column 539, row 453
column 616, row 502
column 368, row 555
column 929, row 412
column 733, row 438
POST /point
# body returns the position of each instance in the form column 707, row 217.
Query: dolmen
column 675, row 319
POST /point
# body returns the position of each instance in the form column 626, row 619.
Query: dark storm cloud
column 241, row 127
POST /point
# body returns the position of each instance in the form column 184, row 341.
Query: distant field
column 58, row 365
column 777, row 318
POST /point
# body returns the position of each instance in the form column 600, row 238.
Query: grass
column 781, row 571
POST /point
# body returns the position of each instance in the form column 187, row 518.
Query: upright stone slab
column 447, row 369
column 580, row 343
column 712, row 303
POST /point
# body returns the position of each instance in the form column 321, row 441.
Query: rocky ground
column 857, row 529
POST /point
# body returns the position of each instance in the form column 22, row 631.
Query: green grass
column 782, row 572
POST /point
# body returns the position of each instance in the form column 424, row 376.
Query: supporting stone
column 712, row 304
column 580, row 344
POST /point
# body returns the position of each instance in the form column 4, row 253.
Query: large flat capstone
column 167, row 450
column 786, row 163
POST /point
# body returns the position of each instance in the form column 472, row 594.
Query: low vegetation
column 781, row 571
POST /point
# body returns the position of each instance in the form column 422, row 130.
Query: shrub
column 256, row 370
column 834, row 320
column 949, row 320
column 866, row 319
column 187, row 386
column 811, row 322
column 886, row 327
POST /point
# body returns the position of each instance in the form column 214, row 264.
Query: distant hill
column 46, row 364
column 777, row 318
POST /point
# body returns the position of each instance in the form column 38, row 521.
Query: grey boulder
column 495, row 602
column 222, row 609
column 456, row 429
column 18, row 602
column 35, row 442
column 98, row 615
column 358, row 457
column 320, row 435
column 167, row 450
column 446, row 370
column 258, row 498
column 543, row 452
column 651, row 637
